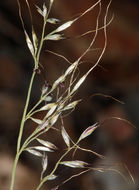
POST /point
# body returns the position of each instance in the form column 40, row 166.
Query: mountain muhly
column 54, row 110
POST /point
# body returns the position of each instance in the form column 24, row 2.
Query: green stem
column 41, row 42
column 25, row 112
column 14, row 171
column 21, row 132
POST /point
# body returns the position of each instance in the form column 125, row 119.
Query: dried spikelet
column 35, row 40
column 47, row 106
column 38, row 121
column 44, row 162
column 53, row 20
column 65, row 136
column 52, row 177
column 47, row 144
column 54, row 37
column 44, row 11
column 88, row 131
column 34, row 152
column 29, row 44
column 42, row 148
column 39, row 10
column 64, row 26
column 75, row 164
column 51, row 111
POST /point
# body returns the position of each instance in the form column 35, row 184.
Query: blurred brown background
column 118, row 77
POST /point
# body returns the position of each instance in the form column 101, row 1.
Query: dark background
column 118, row 76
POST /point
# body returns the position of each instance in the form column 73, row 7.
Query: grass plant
column 54, row 110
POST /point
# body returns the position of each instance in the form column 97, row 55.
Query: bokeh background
column 117, row 77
